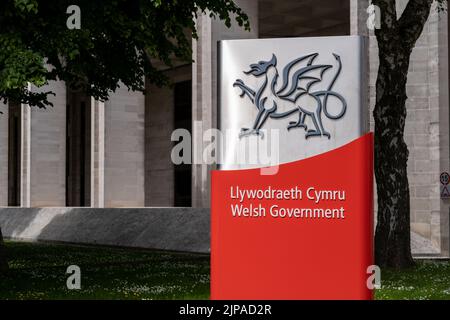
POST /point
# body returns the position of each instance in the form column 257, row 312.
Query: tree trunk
column 392, row 239
column 396, row 39
column 3, row 260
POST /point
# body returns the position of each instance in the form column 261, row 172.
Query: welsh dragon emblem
column 292, row 92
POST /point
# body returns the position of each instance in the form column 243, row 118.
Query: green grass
column 428, row 280
column 38, row 271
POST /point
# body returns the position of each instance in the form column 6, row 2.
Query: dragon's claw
column 313, row 133
column 294, row 124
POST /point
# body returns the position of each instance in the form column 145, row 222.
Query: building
column 116, row 154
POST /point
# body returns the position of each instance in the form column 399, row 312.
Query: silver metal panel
column 282, row 80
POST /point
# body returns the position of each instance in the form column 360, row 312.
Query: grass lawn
column 38, row 272
column 427, row 280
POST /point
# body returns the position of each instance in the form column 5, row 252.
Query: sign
column 295, row 220
column 310, row 94
column 445, row 180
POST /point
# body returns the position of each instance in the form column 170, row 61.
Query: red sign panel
column 303, row 233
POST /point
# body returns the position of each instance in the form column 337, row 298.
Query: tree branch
column 413, row 19
column 388, row 20
column 388, row 13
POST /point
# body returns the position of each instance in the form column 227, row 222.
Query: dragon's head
column 260, row 68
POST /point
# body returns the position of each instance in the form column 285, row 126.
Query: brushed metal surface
column 237, row 112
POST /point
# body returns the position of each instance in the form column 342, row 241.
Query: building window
column 78, row 150
column 307, row 18
column 183, row 119
column 14, row 154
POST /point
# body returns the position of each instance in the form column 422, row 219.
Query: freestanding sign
column 292, row 202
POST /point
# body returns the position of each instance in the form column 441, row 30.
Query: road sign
column 445, row 180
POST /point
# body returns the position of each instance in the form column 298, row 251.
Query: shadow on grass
column 38, row 271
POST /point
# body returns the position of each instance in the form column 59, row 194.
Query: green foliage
column 119, row 41
column 26, row 6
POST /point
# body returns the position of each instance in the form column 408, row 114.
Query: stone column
column 97, row 153
column 358, row 17
column 440, row 113
column 3, row 155
column 43, row 149
column 25, row 156
column 359, row 27
column 43, row 144
column 204, row 87
column 124, row 149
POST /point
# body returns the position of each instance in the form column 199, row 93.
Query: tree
column 396, row 39
column 119, row 42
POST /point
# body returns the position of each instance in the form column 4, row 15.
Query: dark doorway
column 183, row 119
column 78, row 150
column 306, row 18
column 14, row 153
